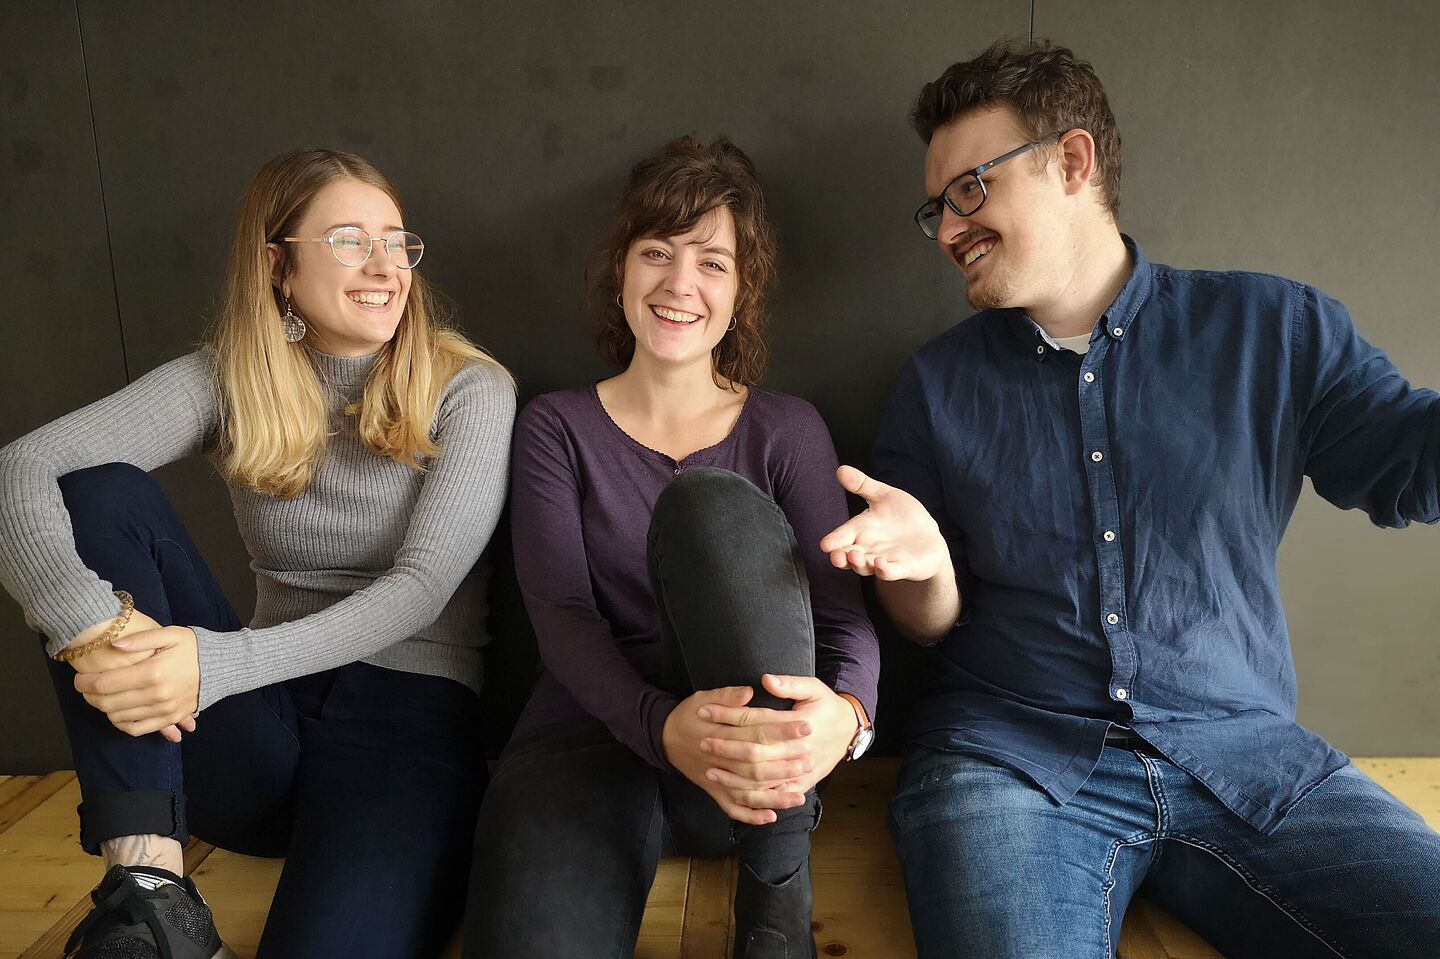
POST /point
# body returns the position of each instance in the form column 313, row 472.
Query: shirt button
column 1109, row 536
column 1118, row 332
column 1097, row 456
column 1040, row 350
column 1122, row 693
column 1112, row 619
column 677, row 471
column 1089, row 377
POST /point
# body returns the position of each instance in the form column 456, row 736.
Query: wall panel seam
column 104, row 207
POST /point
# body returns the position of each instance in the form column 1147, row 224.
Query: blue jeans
column 996, row 870
column 574, row 824
column 366, row 779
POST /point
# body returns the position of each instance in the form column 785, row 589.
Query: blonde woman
column 365, row 446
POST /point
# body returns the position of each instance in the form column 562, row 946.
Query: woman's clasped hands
column 147, row 681
column 754, row 761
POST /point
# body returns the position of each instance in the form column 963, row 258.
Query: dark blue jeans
column 574, row 824
column 995, row 870
column 367, row 780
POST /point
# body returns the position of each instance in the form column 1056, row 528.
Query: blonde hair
column 276, row 424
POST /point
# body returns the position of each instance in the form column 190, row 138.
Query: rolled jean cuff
column 146, row 813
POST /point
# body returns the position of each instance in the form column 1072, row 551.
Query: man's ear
column 1076, row 150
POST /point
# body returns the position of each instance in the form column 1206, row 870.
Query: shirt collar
column 1115, row 322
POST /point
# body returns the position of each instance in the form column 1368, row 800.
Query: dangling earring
column 731, row 327
column 617, row 301
column 291, row 326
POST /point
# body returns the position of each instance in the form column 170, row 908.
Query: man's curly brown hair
column 1047, row 87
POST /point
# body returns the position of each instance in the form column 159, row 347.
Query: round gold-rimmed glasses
column 352, row 246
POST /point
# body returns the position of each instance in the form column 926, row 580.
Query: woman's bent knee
column 103, row 496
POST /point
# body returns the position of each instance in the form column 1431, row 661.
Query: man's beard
column 996, row 292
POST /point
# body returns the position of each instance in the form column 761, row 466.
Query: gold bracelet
column 127, row 606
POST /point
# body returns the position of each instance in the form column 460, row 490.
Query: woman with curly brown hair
column 656, row 516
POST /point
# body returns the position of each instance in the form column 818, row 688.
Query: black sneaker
column 132, row 921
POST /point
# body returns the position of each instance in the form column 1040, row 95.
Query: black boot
column 773, row 921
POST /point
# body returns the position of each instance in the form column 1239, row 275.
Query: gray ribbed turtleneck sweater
column 373, row 562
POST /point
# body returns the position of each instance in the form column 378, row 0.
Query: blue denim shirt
column 1114, row 520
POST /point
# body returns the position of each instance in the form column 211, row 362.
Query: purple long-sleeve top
column 581, row 496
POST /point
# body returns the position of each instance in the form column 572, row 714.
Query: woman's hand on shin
column 156, row 690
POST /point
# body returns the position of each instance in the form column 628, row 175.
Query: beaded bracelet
column 127, row 606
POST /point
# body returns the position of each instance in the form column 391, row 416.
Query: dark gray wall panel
column 509, row 129
column 61, row 340
column 1299, row 139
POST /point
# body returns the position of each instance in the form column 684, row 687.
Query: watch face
column 863, row 739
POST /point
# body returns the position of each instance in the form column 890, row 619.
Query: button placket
column 1105, row 520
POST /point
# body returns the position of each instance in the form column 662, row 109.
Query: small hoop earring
column 291, row 326
column 731, row 327
column 618, row 302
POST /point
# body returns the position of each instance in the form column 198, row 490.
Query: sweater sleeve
column 454, row 516
column 164, row 416
column 552, row 564
column 847, row 654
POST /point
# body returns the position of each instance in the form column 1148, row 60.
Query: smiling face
column 1011, row 250
column 679, row 291
column 350, row 310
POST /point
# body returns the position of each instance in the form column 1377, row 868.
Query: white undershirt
column 1075, row 344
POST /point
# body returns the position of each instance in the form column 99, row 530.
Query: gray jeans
column 574, row 822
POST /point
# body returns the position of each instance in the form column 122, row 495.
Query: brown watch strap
column 859, row 710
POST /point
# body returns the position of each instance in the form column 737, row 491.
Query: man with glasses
column 1080, row 491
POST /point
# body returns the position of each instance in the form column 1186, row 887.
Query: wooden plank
column 238, row 889
column 664, row 921
column 859, row 897
column 1415, row 781
column 1138, row 939
column 860, row 905
column 1179, row 942
column 707, row 932
column 24, row 793
column 12, row 786
column 43, row 870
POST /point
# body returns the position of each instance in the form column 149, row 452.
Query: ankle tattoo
column 159, row 852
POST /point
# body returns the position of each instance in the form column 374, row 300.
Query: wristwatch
column 865, row 735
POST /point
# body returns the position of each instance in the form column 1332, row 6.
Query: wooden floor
column 859, row 901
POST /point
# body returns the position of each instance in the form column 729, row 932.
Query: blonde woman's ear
column 276, row 258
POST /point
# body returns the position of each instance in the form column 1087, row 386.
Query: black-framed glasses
column 967, row 192
column 352, row 245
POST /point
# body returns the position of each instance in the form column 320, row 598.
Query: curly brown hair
column 1045, row 85
column 668, row 193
